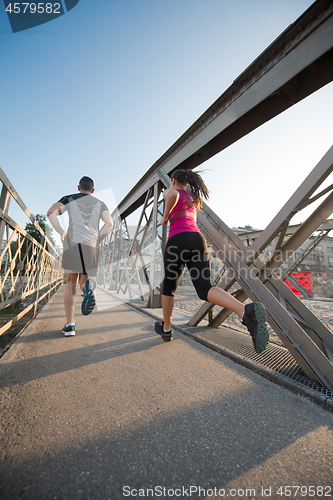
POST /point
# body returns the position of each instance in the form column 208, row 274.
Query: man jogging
column 81, row 246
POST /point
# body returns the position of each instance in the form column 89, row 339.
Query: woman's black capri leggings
column 188, row 249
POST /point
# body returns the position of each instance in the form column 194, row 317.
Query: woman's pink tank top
column 183, row 216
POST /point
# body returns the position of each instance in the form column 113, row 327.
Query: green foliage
column 11, row 310
column 33, row 231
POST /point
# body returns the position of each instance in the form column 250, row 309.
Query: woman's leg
column 201, row 280
column 222, row 298
column 200, row 274
column 167, row 306
column 253, row 315
column 173, row 267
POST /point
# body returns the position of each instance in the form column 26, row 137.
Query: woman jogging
column 187, row 246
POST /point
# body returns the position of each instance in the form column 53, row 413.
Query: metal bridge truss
column 133, row 266
column 287, row 274
column 295, row 65
column 29, row 271
column 308, row 340
column 323, row 232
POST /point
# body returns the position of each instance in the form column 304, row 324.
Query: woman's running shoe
column 166, row 336
column 89, row 300
column 254, row 319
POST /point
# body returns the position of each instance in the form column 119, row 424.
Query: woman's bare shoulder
column 170, row 193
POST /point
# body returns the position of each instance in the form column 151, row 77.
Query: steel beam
column 114, row 254
column 308, row 250
column 293, row 281
column 308, row 354
column 278, row 226
column 253, row 235
column 301, row 198
column 296, row 64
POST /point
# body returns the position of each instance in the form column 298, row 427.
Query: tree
column 33, row 231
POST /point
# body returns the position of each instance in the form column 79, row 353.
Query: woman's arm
column 171, row 197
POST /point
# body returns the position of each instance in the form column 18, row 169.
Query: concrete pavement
column 115, row 412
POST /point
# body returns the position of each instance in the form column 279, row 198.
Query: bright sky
column 107, row 88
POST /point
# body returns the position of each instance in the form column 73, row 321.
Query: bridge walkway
column 114, row 411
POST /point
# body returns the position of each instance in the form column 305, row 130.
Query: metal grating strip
column 275, row 363
column 276, row 360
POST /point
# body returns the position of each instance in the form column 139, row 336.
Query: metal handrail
column 27, row 267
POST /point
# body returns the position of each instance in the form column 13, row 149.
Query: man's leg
column 83, row 279
column 70, row 296
column 87, row 285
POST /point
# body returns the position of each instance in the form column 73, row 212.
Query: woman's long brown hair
column 197, row 187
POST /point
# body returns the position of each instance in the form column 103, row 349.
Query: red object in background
column 303, row 279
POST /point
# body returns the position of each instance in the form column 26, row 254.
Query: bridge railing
column 29, row 269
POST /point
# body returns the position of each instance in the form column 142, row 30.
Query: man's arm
column 106, row 217
column 52, row 213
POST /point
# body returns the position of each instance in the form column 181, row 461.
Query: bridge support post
column 4, row 206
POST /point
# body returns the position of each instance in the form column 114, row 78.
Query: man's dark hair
column 86, row 184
